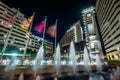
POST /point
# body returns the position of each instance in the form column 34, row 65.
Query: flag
column 40, row 27
column 26, row 23
column 52, row 30
column 9, row 22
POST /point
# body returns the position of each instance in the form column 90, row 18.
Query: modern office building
column 75, row 34
column 108, row 14
column 13, row 38
column 72, row 34
column 91, row 32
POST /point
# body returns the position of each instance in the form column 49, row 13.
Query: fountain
column 91, row 78
column 21, row 77
column 115, row 74
column 50, row 69
column 37, row 77
column 38, row 60
column 101, row 77
column 98, row 63
column 57, row 60
column 72, row 57
column 86, row 60
column 55, row 78
column 111, row 77
column 12, row 64
column 118, row 69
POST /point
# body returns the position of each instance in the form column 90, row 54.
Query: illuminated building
column 72, row 34
column 16, row 41
column 75, row 34
column 108, row 14
column 91, row 32
column 47, row 45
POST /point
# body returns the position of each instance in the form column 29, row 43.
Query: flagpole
column 55, row 36
column 28, row 36
column 7, row 39
column 44, row 31
column 43, row 40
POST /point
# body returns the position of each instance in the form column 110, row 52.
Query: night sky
column 66, row 11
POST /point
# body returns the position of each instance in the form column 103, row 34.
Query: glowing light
column 14, row 54
column 10, row 25
column 118, row 49
column 20, row 49
column 2, row 22
column 5, row 36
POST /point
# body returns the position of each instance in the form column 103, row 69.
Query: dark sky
column 66, row 11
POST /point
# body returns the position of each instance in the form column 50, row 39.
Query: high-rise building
column 91, row 32
column 75, row 34
column 72, row 34
column 13, row 38
column 108, row 14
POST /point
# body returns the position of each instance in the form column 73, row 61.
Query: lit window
column 5, row 36
column 2, row 22
column 10, row 25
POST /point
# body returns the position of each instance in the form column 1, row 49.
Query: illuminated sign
column 41, row 39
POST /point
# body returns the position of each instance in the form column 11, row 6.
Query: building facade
column 13, row 38
column 75, row 34
column 91, row 33
column 48, row 45
column 108, row 14
column 72, row 34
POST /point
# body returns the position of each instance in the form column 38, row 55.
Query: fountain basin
column 48, row 69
